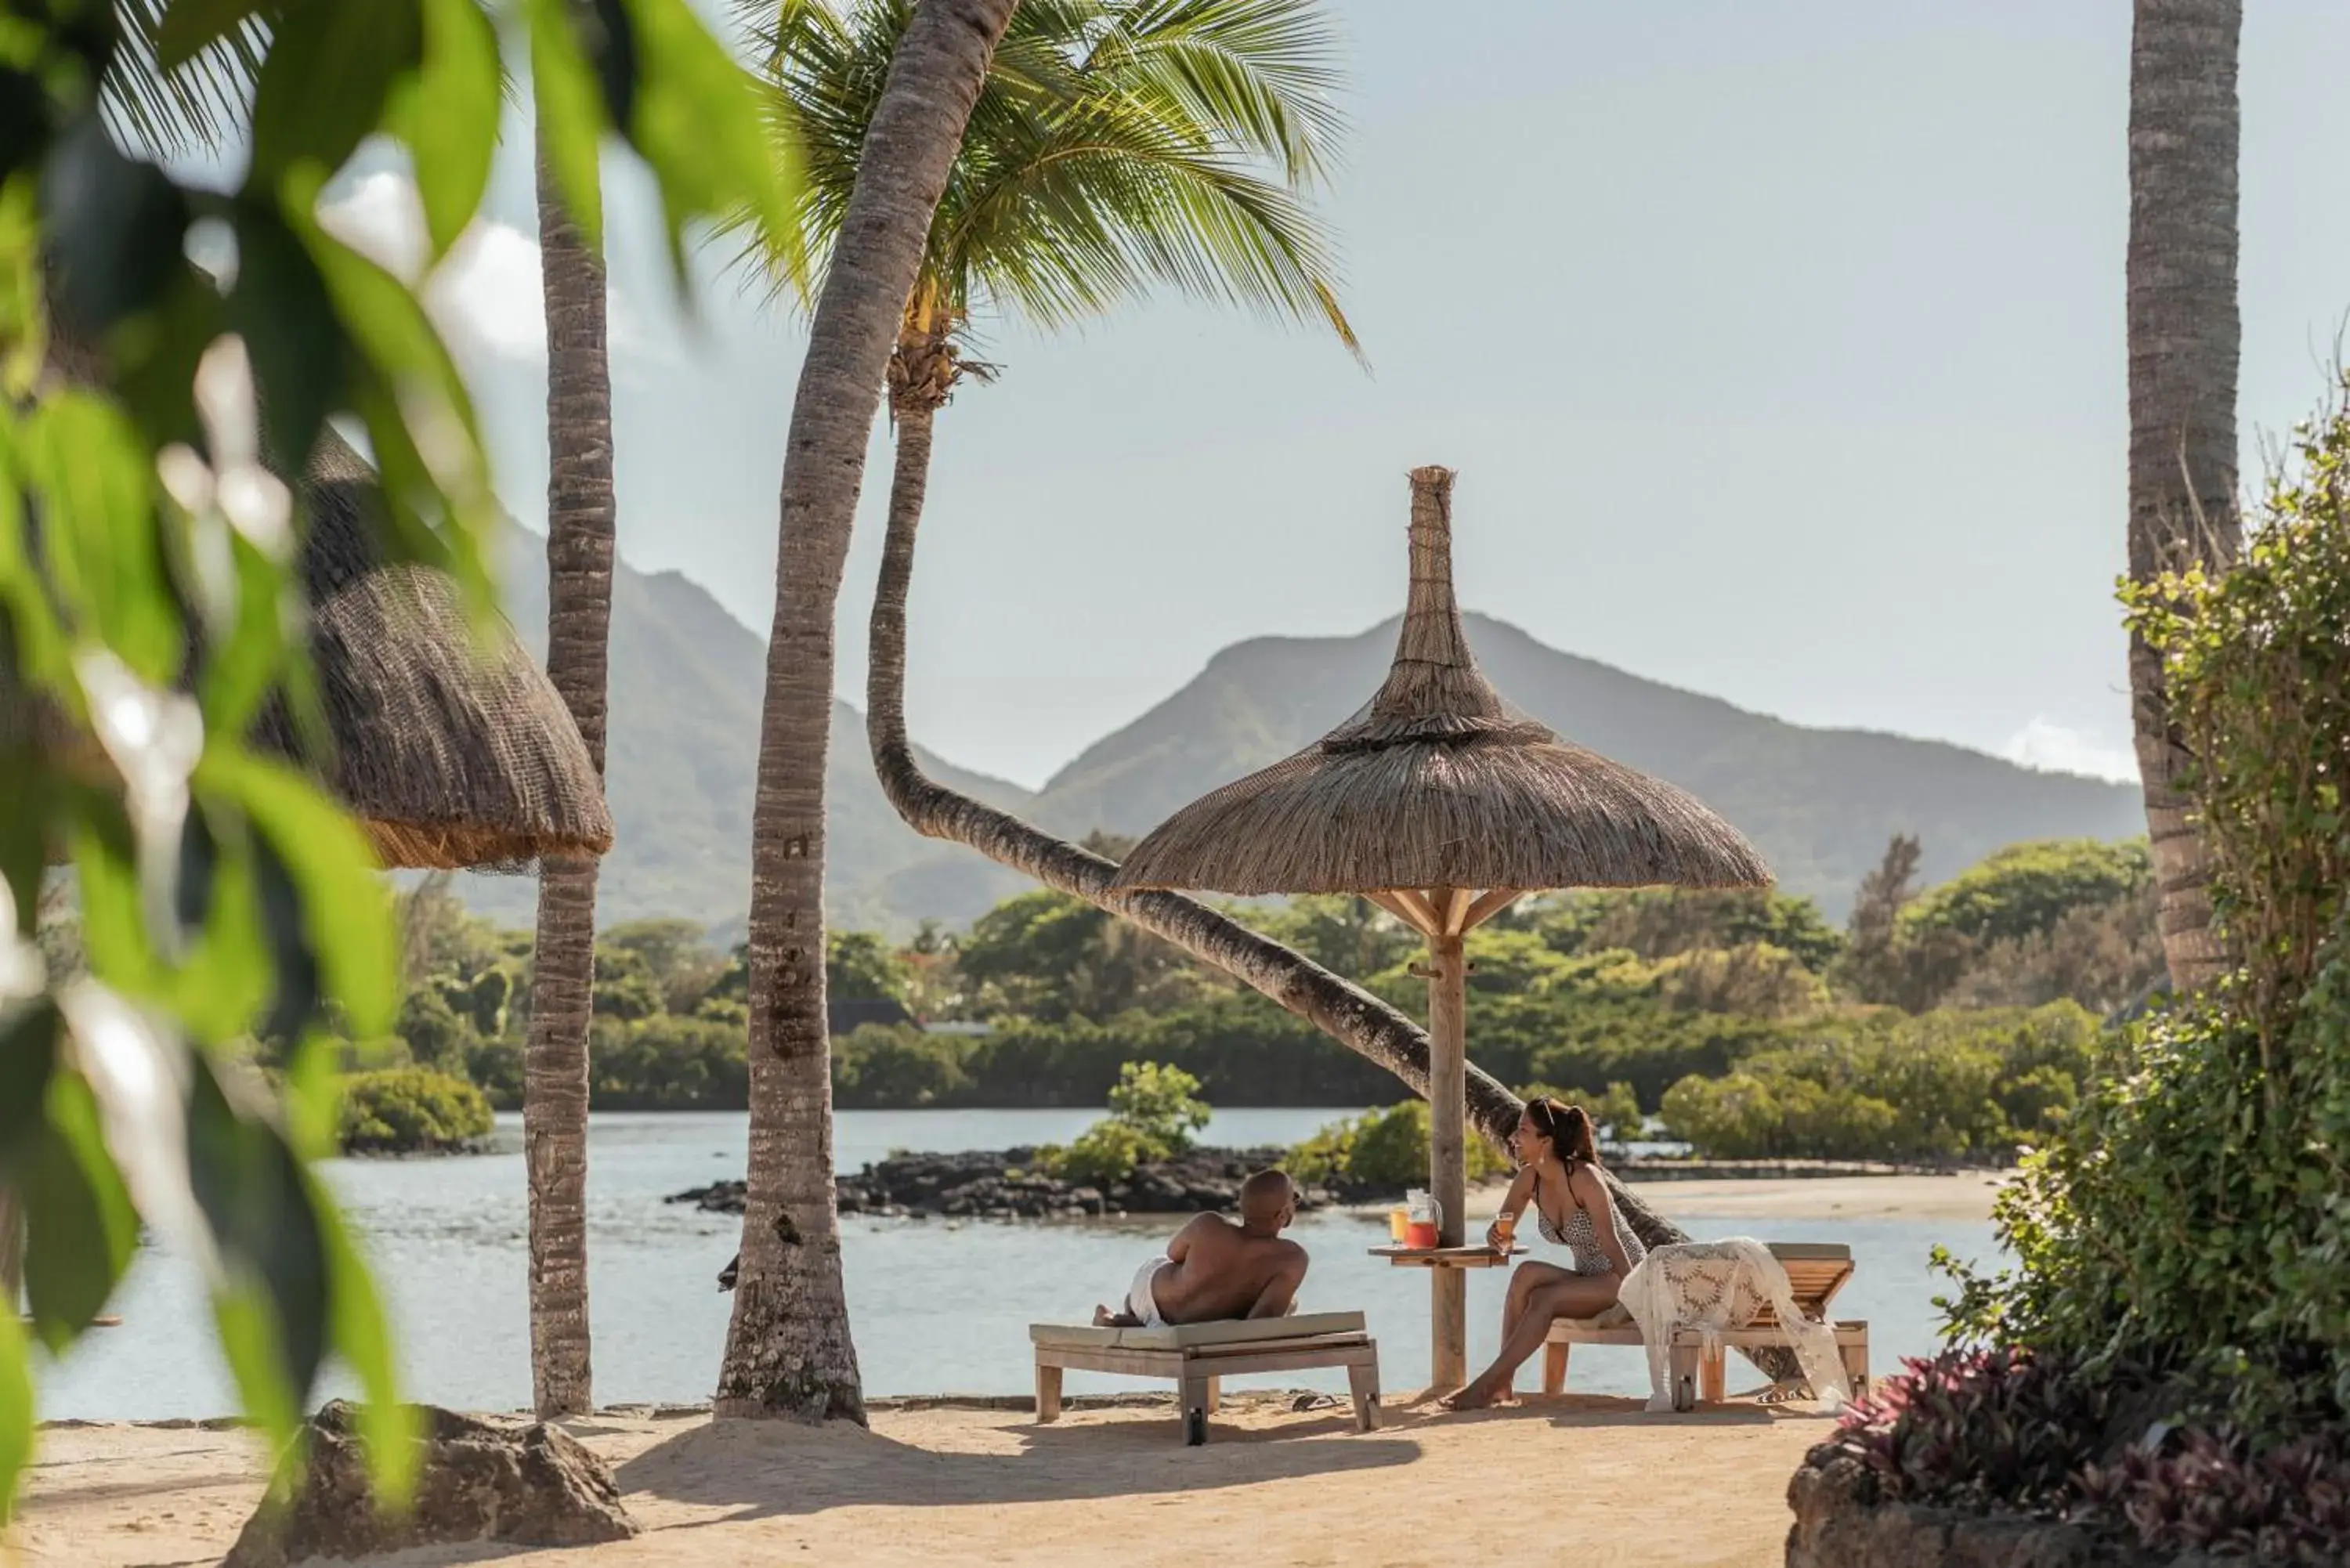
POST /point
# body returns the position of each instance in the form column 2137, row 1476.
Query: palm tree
column 580, row 521
column 788, row 1351
column 1258, row 66
column 198, row 106
column 2184, row 344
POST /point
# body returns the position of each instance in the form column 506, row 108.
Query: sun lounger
column 1816, row 1270
column 1198, row 1356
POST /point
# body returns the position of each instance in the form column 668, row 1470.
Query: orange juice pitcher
column 1424, row 1221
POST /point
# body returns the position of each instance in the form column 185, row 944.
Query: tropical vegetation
column 218, row 888
column 411, row 1110
column 2179, row 1245
column 1734, row 1021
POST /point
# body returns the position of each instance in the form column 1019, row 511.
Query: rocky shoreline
column 1001, row 1184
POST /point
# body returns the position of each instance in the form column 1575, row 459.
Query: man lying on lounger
column 1215, row 1270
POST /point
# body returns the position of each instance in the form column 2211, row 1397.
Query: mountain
column 682, row 751
column 1819, row 804
column 684, row 740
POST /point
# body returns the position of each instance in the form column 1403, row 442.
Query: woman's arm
column 1591, row 1193
column 1515, row 1201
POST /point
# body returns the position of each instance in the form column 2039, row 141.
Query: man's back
column 1222, row 1270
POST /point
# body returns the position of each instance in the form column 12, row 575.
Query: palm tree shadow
column 1573, row 1410
column 765, row 1469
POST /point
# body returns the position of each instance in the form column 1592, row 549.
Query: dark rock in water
column 1003, row 1184
column 522, row 1484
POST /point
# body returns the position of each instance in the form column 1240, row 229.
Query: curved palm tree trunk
column 1344, row 1012
column 788, row 1351
column 2184, row 343
column 580, row 521
column 1340, row 1008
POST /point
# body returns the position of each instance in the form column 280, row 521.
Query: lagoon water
column 936, row 1306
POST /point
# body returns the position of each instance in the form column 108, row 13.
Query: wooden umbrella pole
column 1447, row 1075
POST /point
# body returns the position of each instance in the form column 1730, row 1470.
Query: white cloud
column 2051, row 747
column 485, row 296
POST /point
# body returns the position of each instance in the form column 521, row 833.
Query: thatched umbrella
column 452, row 748
column 1443, row 805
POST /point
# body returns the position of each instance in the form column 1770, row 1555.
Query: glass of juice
column 1398, row 1222
column 1505, row 1231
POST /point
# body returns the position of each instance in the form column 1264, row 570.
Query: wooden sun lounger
column 1198, row 1356
column 1818, row 1270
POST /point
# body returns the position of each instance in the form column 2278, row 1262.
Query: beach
column 1103, row 1486
column 979, row 1482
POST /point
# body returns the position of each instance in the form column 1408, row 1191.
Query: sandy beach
column 982, row 1483
column 959, row 1485
column 1961, row 1195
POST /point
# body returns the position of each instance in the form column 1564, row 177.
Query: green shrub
column 411, row 1110
column 1161, row 1103
column 1104, row 1155
column 2024, row 890
column 1944, row 1084
column 2191, row 1211
column 665, row 1062
column 1384, row 1148
column 1153, row 1111
column 1776, row 1116
column 893, row 1066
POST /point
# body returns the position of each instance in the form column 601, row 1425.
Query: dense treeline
column 1955, row 1021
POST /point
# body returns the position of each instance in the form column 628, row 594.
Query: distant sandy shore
column 1574, row 1478
column 1965, row 1195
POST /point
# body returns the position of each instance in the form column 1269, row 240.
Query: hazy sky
column 1779, row 348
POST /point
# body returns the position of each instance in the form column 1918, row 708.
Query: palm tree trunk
column 1343, row 1010
column 580, row 521
column 2184, row 344
column 788, row 1351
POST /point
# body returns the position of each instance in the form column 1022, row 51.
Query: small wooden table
column 1448, row 1339
column 1199, row 1356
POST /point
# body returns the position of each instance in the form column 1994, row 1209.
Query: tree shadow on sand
column 762, row 1469
column 1565, row 1411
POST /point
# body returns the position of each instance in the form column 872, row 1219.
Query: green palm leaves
column 1118, row 145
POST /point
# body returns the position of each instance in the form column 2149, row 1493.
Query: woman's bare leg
column 1574, row 1296
column 1524, row 1283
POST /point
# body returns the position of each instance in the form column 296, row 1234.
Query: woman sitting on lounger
column 1558, row 1177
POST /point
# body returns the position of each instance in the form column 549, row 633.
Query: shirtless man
column 1217, row 1269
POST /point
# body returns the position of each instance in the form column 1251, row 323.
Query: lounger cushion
column 1181, row 1337
column 1811, row 1251
column 1614, row 1317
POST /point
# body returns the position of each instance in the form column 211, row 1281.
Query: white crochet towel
column 1714, row 1285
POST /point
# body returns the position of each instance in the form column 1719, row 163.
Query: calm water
column 938, row 1306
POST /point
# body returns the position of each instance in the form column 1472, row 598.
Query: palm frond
column 1265, row 73
column 1116, row 145
column 199, row 107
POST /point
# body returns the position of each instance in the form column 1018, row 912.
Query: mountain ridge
column 687, row 678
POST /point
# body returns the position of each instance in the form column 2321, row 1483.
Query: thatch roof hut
column 449, row 745
column 451, row 749
column 1443, row 804
column 1438, row 783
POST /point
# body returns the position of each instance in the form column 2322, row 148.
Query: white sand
column 1964, row 1195
column 1583, row 1480
column 1591, row 1481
